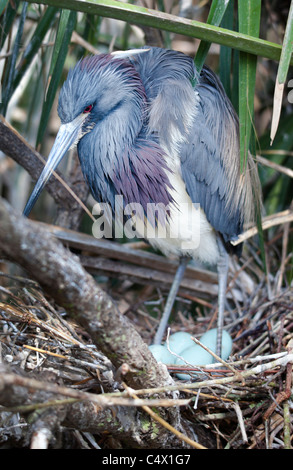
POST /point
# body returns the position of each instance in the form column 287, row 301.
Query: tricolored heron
column 149, row 128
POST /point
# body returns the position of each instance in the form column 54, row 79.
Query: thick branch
column 60, row 273
column 128, row 424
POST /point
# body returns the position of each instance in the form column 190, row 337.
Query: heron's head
column 94, row 88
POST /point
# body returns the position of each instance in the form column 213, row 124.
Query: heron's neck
column 118, row 159
column 121, row 127
column 102, row 147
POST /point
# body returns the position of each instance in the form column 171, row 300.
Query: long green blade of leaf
column 249, row 13
column 249, row 23
column 56, row 75
column 63, row 21
column 215, row 17
column 283, row 68
column 235, row 81
column 226, row 52
column 146, row 16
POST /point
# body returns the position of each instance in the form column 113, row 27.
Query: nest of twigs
column 244, row 402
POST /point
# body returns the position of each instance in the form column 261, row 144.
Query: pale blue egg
column 161, row 354
column 194, row 355
column 179, row 341
column 209, row 339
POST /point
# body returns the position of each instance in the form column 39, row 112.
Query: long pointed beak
column 68, row 135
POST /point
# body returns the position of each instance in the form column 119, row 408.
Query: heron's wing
column 210, row 159
column 200, row 127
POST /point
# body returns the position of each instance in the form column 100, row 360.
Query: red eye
column 88, row 109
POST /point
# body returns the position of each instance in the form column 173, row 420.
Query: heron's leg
column 170, row 300
column 223, row 267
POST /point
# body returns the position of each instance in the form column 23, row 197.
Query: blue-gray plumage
column 149, row 128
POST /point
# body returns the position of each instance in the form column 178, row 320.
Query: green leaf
column 226, row 52
column 63, row 22
column 249, row 13
column 249, row 23
column 146, row 16
column 56, row 75
column 283, row 68
column 235, row 81
column 215, row 17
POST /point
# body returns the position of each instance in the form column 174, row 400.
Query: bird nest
column 244, row 402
